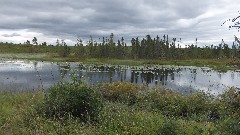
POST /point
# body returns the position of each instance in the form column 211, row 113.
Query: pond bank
column 222, row 64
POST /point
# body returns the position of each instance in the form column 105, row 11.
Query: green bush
column 231, row 101
column 74, row 99
column 214, row 110
column 172, row 103
column 198, row 103
column 169, row 102
column 120, row 91
column 230, row 126
column 169, row 127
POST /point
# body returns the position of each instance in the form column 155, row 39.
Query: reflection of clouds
column 25, row 75
column 26, row 66
column 210, row 81
column 182, row 81
column 228, row 80
column 187, row 82
column 16, row 66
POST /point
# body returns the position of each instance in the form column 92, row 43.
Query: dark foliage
column 73, row 99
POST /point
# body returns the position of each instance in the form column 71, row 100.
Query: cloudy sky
column 49, row 20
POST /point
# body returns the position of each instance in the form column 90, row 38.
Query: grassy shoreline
column 222, row 64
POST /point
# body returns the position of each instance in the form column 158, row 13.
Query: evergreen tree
column 120, row 50
column 44, row 44
column 35, row 41
column 90, row 47
column 134, row 49
column 58, row 43
column 64, row 50
column 80, row 51
column 112, row 46
column 28, row 42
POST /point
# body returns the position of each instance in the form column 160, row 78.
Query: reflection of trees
column 172, row 76
column 232, row 76
column 110, row 75
column 134, row 77
column 150, row 76
column 164, row 73
column 147, row 77
column 81, row 67
column 107, row 73
column 219, row 76
column 194, row 73
column 35, row 64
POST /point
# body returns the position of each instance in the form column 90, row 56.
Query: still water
column 27, row 75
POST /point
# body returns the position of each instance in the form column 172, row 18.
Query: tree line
column 153, row 48
column 145, row 48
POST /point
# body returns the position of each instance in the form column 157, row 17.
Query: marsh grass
column 19, row 115
column 155, row 111
column 222, row 64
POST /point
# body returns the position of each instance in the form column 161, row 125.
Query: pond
column 31, row 76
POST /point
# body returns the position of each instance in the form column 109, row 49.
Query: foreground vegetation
column 118, row 108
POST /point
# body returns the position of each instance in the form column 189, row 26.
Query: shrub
column 198, row 103
column 169, row 127
column 120, row 91
column 214, row 111
column 231, row 101
column 73, row 99
column 169, row 102
column 172, row 103
column 230, row 126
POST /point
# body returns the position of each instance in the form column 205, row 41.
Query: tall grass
column 154, row 111
column 222, row 64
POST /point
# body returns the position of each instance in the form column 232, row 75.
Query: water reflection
column 22, row 75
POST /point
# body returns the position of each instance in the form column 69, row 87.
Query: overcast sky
column 49, row 20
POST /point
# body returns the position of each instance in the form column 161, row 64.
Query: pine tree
column 35, row 41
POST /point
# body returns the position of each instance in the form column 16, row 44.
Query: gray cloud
column 82, row 18
column 11, row 35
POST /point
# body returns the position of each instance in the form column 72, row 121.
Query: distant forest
column 146, row 48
